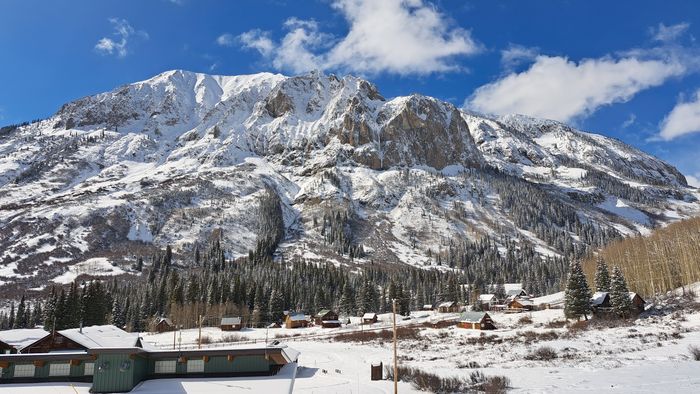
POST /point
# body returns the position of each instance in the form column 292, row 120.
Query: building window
column 24, row 370
column 165, row 366
column 89, row 369
column 195, row 366
column 59, row 369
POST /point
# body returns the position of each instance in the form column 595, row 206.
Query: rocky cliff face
column 173, row 158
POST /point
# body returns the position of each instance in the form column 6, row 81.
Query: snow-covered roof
column 524, row 301
column 330, row 321
column 21, row 337
column 101, row 336
column 446, row 304
column 427, row 306
column 225, row 321
column 297, row 317
column 633, row 294
column 369, row 315
column 487, row 297
column 599, row 297
column 472, row 317
column 552, row 299
column 323, row 312
column 166, row 320
column 515, row 292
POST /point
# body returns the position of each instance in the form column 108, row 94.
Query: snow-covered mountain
column 171, row 159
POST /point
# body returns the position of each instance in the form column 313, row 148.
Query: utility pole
column 396, row 368
column 199, row 342
column 174, row 335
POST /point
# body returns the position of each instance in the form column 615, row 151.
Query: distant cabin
column 638, row 303
column 521, row 304
column 296, row 320
column 476, row 321
column 164, row 324
column 487, row 301
column 600, row 301
column 230, row 324
column 273, row 325
column 369, row 318
column 448, row 307
column 427, row 307
column 325, row 315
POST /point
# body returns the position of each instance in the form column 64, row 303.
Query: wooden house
column 600, row 302
column 79, row 339
column 487, row 301
column 164, row 324
column 325, row 315
column 448, row 307
column 638, row 303
column 369, row 318
column 14, row 341
column 476, row 321
column 521, row 304
column 296, row 320
column 230, row 324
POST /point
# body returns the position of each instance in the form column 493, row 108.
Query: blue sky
column 626, row 69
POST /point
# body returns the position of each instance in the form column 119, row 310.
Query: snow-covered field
column 649, row 355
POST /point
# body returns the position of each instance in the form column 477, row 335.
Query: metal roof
column 225, row 321
column 472, row 317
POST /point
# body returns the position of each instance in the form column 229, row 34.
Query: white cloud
column 516, row 55
column 395, row 36
column 225, row 40
column 258, row 40
column 123, row 31
column 693, row 180
column 630, row 121
column 665, row 33
column 557, row 88
column 683, row 119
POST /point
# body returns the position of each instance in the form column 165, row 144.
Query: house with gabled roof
column 231, row 323
column 13, row 341
column 476, row 321
column 84, row 338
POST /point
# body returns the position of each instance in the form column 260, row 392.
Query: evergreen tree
column 11, row 318
column 347, row 300
column 21, row 320
column 577, row 298
column 619, row 294
column 602, row 277
column 276, row 307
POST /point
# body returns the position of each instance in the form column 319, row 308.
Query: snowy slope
column 173, row 158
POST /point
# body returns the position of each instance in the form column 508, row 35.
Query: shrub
column 231, row 338
column 694, row 352
column 556, row 324
column 386, row 335
column 425, row 381
column 525, row 320
column 205, row 340
column 544, row 353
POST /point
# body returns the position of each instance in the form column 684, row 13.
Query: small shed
column 325, row 315
column 637, row 303
column 448, row 307
column 296, row 320
column 230, row 323
column 427, row 307
column 369, row 318
column 164, row 324
column 600, row 301
column 476, row 321
column 330, row 323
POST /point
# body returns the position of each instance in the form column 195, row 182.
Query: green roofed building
column 120, row 369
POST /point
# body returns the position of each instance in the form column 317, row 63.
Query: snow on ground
column 96, row 267
column 648, row 355
column 621, row 208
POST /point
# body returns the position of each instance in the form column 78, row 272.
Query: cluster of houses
column 114, row 360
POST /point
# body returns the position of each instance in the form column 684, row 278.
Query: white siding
column 89, row 369
column 59, row 369
column 24, row 370
column 165, row 366
column 195, row 366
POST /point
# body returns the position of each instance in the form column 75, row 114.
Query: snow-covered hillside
column 173, row 158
